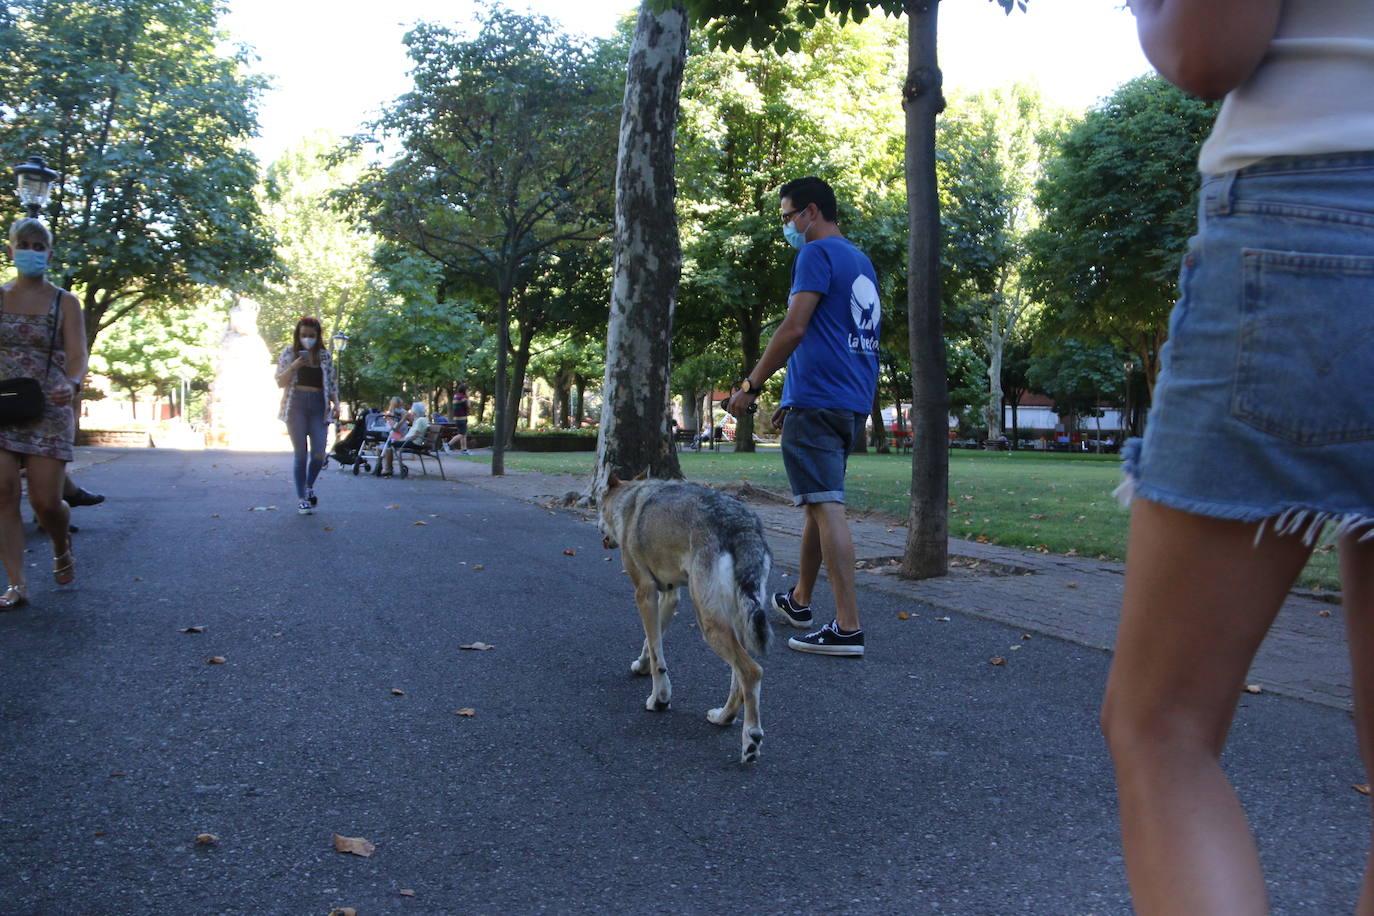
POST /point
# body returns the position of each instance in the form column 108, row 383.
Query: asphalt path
column 921, row 779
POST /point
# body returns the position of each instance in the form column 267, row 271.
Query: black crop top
column 310, row 376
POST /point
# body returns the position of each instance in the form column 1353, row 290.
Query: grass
column 1054, row 502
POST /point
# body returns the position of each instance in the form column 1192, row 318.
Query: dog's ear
column 643, row 475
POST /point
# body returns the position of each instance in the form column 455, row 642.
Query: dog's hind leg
column 656, row 608
column 745, row 677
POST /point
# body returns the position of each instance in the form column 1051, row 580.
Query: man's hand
column 778, row 416
column 741, row 403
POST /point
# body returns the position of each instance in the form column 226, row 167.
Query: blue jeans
column 815, row 452
column 1262, row 406
column 307, row 421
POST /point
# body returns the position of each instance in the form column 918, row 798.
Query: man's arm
column 785, row 339
column 1206, row 47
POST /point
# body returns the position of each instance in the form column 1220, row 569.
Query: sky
column 332, row 65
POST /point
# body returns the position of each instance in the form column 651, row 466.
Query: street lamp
column 340, row 342
column 35, row 178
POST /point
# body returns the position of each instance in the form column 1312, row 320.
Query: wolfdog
column 671, row 534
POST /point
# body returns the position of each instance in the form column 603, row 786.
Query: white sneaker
column 446, row 448
column 305, row 508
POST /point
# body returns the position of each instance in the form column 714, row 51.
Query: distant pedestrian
column 309, row 400
column 460, row 420
column 42, row 337
column 829, row 343
column 1262, row 430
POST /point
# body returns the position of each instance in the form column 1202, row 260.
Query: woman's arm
column 286, row 366
column 73, row 346
column 1206, row 47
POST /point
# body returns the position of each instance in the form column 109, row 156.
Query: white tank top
column 1313, row 93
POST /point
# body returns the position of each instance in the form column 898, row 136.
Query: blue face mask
column 30, row 263
column 795, row 237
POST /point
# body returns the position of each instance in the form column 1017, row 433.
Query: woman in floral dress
column 42, row 336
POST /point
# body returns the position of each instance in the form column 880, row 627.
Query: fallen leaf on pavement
column 431, row 515
column 569, row 553
column 942, row 619
column 1025, row 636
column 466, row 712
column 903, row 615
column 407, row 892
column 1323, row 613
column 1072, row 585
column 397, row 692
column 138, row 578
column 355, row 845
column 1071, row 552
column 343, row 911
column 328, row 527
column 206, row 839
column 478, row 566
column 215, row 660
column 1253, row 688
column 393, row 506
column 478, row 646
column 262, row 508
column 997, row 660
column 192, row 630
column 214, row 515
column 1362, row 789
column 419, row 523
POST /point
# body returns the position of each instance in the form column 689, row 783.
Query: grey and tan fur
column 672, row 534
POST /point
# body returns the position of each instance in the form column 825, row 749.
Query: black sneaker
column 799, row 615
column 310, row 495
column 828, row 640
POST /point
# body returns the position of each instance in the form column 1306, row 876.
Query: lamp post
column 340, row 344
column 35, row 179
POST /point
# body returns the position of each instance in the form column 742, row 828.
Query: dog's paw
column 719, row 716
column 753, row 746
column 639, row 666
column 655, row 703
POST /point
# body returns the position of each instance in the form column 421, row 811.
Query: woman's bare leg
column 46, row 476
column 1357, row 594
column 11, row 522
column 1199, row 598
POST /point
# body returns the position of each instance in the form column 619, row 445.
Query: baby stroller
column 375, row 431
column 346, row 448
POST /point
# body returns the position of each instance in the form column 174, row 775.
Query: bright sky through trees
column 333, row 65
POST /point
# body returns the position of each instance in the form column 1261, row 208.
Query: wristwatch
column 748, row 387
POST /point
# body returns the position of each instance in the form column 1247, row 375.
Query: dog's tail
column 751, row 567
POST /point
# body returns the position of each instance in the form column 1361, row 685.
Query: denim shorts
column 815, row 451
column 1263, row 410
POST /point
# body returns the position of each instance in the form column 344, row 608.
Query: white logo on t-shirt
column 863, row 303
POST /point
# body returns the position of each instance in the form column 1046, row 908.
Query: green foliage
column 1077, row 375
column 326, row 259
column 1118, row 200
column 144, row 120
column 782, row 24
column 152, row 350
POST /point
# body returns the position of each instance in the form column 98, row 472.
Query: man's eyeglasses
column 788, row 214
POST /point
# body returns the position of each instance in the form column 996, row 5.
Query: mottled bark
column 635, row 433
column 927, row 541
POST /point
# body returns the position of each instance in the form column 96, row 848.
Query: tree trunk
column 927, row 541
column 519, row 369
column 691, row 411
column 635, row 435
column 580, row 411
column 879, row 432
column 992, row 412
column 502, row 422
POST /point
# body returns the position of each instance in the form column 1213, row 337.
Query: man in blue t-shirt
column 829, row 342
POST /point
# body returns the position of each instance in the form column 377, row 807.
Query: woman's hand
column 62, row 395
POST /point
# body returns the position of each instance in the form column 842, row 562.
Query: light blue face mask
column 30, row 263
column 795, row 237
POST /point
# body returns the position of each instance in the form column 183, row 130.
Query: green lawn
column 1053, row 501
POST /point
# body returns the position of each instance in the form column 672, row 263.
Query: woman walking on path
column 309, row 400
column 1262, row 432
column 43, row 337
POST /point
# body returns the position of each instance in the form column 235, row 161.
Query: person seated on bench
column 411, row 436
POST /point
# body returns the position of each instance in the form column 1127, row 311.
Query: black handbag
column 21, row 398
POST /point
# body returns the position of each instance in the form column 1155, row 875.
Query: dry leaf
column 478, row 646
column 1362, row 789
column 215, row 660
column 407, row 892
column 262, row 508
column 328, row 528
column 479, row 566
column 569, row 553
column 1323, row 613
column 997, row 660
column 942, row 619
column 1071, row 585
column 903, row 615
column 397, row 692
column 393, row 506
column 192, row 630
column 419, row 523
column 206, row 839
column 466, row 712
column 1071, row 552
column 98, row 833
column 343, row 911
column 1025, row 636
column 1253, row 688
column 353, row 844
column 608, row 559
column 138, row 578
column 274, row 635
column 214, row 515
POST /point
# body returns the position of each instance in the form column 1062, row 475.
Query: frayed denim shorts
column 815, row 452
column 1264, row 405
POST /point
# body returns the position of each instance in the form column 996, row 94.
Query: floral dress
column 25, row 342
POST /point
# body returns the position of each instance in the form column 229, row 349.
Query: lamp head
column 34, row 182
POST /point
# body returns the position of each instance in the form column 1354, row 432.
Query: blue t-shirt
column 836, row 363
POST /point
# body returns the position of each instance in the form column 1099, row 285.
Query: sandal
column 64, row 568
column 14, row 596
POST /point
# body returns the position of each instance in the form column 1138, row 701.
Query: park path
column 922, row 779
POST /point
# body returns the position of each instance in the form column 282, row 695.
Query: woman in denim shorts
column 1261, row 439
